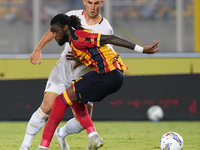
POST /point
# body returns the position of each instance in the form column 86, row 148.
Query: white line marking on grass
column 17, row 140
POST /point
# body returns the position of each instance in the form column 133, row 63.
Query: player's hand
column 70, row 56
column 152, row 49
column 35, row 57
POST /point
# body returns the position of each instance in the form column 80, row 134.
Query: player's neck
column 92, row 21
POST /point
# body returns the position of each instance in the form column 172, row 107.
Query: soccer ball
column 171, row 141
column 155, row 113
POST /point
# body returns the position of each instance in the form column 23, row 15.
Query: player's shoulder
column 105, row 24
column 75, row 12
column 104, row 21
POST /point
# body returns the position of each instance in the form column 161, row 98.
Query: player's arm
column 118, row 41
column 70, row 56
column 35, row 57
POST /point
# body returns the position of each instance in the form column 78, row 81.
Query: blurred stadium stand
column 141, row 21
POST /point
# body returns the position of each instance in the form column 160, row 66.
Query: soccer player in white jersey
column 62, row 75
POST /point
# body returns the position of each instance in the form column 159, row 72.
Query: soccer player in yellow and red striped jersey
column 62, row 74
column 86, row 47
column 106, row 77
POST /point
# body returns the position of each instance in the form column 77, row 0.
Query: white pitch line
column 16, row 140
column 11, row 141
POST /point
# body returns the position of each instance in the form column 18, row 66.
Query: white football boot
column 62, row 141
column 42, row 148
column 95, row 142
column 24, row 147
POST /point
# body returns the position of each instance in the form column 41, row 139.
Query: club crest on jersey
column 48, row 86
column 116, row 57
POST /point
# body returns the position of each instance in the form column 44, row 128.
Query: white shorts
column 54, row 85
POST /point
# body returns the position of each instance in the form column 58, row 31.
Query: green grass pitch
column 117, row 135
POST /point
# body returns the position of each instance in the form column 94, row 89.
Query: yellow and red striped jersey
column 86, row 47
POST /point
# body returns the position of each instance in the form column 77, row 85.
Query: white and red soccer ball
column 171, row 141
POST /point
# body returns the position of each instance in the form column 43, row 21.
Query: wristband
column 138, row 48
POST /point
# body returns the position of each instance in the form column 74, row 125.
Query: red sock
column 55, row 117
column 82, row 114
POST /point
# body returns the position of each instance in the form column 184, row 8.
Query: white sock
column 72, row 126
column 34, row 125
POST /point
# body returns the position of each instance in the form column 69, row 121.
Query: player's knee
column 48, row 102
column 45, row 109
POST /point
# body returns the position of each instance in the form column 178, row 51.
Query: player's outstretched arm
column 118, row 41
column 152, row 48
column 35, row 57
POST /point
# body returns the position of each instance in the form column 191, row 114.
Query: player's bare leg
column 37, row 120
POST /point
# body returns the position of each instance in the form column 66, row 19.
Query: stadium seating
column 10, row 6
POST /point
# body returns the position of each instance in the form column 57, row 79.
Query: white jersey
column 64, row 68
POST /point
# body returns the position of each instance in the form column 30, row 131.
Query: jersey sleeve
column 106, row 28
column 83, row 40
column 109, row 31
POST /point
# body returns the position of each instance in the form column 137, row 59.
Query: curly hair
column 71, row 21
